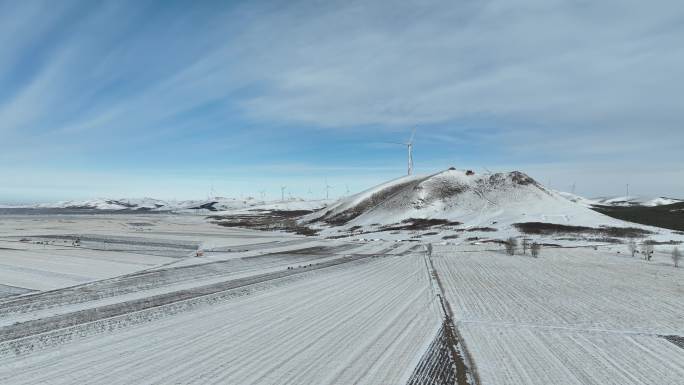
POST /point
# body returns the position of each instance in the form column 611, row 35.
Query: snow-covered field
column 37, row 252
column 255, row 307
column 572, row 316
column 368, row 322
column 167, row 298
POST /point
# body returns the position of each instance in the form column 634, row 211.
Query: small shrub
column 428, row 249
column 534, row 249
column 676, row 257
column 647, row 251
column 632, row 247
column 542, row 228
column 510, row 245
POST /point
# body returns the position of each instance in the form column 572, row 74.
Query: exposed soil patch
column 600, row 239
column 521, row 179
column 485, row 229
column 541, row 228
column 665, row 216
column 140, row 224
column 677, row 340
column 670, row 242
column 497, row 241
column 419, row 224
column 436, row 366
column 206, row 206
column 267, row 220
column 290, row 213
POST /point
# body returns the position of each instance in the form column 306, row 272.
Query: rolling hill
column 494, row 204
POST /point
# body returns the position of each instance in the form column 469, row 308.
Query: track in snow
column 153, row 279
column 43, row 325
column 351, row 323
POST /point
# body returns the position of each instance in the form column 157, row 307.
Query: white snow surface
column 362, row 324
column 572, row 316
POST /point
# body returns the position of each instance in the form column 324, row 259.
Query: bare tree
column 676, row 257
column 647, row 250
column 632, row 246
column 511, row 244
column 534, row 249
column 525, row 245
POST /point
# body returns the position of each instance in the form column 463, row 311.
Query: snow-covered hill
column 462, row 201
column 453, row 195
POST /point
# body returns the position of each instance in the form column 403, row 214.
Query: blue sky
column 167, row 99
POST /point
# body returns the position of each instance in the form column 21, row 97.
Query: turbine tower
column 409, row 147
column 282, row 193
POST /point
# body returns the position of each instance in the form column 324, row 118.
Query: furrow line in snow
column 37, row 328
column 464, row 369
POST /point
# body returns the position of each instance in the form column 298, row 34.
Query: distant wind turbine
column 409, row 147
column 282, row 193
column 327, row 189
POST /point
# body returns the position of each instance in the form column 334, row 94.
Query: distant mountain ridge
column 217, row 204
column 624, row 201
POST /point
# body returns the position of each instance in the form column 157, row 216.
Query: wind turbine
column 282, row 193
column 263, row 194
column 327, row 189
column 409, row 147
column 212, row 192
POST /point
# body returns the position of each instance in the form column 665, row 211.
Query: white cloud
column 608, row 65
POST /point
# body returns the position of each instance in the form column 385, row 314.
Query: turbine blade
column 413, row 133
